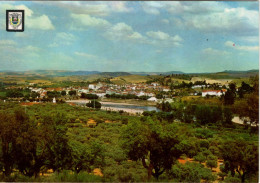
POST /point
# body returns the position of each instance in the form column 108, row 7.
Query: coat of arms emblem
column 14, row 20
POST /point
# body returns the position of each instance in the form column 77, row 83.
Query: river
column 131, row 108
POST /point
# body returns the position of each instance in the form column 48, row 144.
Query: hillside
column 130, row 79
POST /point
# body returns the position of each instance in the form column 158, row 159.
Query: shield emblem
column 15, row 20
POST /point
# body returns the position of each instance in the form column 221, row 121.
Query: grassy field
column 129, row 79
column 211, row 81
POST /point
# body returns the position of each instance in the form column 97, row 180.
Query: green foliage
column 72, row 92
column 212, row 161
column 14, row 93
column 190, row 172
column 204, row 143
column 205, row 114
column 89, row 96
column 200, row 158
column 63, row 93
column 152, row 143
column 94, row 104
column 229, row 97
column 68, row 176
column 38, row 137
column 240, row 156
column 52, row 94
column 228, row 116
column 204, row 133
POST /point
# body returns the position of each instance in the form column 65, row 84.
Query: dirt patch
column 217, row 170
column 97, row 171
column 107, row 121
column 91, row 123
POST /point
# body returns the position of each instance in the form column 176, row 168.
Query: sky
column 147, row 36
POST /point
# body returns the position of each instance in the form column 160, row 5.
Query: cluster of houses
column 102, row 89
column 138, row 89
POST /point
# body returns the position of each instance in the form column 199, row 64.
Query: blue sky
column 132, row 36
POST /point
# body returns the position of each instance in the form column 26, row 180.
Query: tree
column 212, row 161
column 60, row 150
column 203, row 114
column 11, row 124
column 72, row 92
column 240, row 157
column 216, row 114
column 63, row 93
column 228, row 116
column 245, row 88
column 229, row 97
column 200, row 158
column 94, row 104
column 248, row 107
column 222, row 172
column 86, row 157
column 190, row 172
column 232, row 87
column 156, row 145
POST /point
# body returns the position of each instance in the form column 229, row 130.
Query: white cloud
column 53, row 45
column 86, row 55
column 234, row 20
column 250, row 38
column 7, row 43
column 122, row 31
column 231, row 44
column 93, row 8
column 177, row 7
column 152, row 7
column 215, row 52
column 165, row 21
column 63, row 38
column 87, row 20
column 208, row 16
column 31, row 48
column 41, row 22
column 163, row 38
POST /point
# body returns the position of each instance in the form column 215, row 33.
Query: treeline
column 89, row 96
column 198, row 114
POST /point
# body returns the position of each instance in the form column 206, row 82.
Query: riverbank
column 130, row 101
column 130, row 111
column 102, row 102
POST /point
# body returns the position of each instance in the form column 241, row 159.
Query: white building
column 101, row 94
column 217, row 93
column 141, row 93
column 154, row 99
column 198, row 86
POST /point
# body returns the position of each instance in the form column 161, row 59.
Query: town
column 150, row 92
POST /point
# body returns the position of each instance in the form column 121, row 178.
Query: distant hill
column 157, row 73
column 240, row 72
column 114, row 74
column 63, row 73
column 53, row 73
